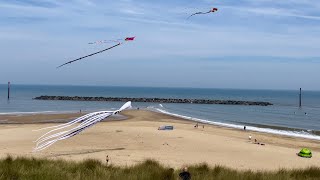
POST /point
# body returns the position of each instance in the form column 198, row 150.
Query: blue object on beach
column 165, row 128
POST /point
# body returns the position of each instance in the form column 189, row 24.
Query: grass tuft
column 38, row 169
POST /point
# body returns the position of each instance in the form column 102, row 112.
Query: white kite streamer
column 67, row 130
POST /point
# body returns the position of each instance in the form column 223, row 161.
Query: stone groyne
column 154, row 100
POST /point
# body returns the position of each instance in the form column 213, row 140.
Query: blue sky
column 251, row 44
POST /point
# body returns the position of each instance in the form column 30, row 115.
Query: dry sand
column 133, row 140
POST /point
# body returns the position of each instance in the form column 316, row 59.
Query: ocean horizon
column 283, row 117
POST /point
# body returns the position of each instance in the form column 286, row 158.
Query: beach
column 133, row 139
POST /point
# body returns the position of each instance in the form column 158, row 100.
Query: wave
column 299, row 134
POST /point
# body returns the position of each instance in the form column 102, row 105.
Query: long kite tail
column 200, row 13
column 71, row 122
column 65, row 135
column 85, row 121
column 67, row 125
column 194, row 14
column 89, row 55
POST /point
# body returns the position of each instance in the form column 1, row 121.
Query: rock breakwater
column 155, row 100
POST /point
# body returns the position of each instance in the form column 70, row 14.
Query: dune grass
column 31, row 168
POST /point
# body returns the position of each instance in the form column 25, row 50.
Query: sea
column 284, row 117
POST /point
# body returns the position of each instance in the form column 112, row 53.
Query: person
column 244, row 127
column 196, row 126
column 107, row 159
column 185, row 175
column 250, row 137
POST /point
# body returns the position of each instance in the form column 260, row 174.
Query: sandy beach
column 136, row 138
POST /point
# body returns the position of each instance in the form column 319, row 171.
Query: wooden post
column 300, row 98
column 8, row 90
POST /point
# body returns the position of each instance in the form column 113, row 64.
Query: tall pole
column 300, row 98
column 8, row 90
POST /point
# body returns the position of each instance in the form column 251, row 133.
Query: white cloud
column 272, row 11
column 167, row 32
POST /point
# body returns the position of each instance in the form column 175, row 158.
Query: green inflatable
column 305, row 152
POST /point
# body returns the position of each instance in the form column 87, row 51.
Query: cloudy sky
column 248, row 44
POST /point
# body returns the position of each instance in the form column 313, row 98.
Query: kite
column 211, row 11
column 119, row 43
column 72, row 128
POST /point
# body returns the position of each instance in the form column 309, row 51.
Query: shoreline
column 136, row 138
column 276, row 131
column 64, row 116
column 57, row 118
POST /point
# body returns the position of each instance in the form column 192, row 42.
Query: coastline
column 135, row 139
column 260, row 129
column 65, row 116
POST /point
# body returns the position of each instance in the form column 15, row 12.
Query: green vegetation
column 31, row 168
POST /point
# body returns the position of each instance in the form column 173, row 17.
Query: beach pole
column 300, row 99
column 8, row 90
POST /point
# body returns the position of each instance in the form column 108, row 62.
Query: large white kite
column 72, row 128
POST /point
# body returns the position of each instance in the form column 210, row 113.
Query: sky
column 246, row 44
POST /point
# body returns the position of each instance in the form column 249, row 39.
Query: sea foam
column 299, row 134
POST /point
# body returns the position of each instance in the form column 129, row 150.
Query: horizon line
column 173, row 87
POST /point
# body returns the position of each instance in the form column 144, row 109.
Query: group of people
column 197, row 126
column 255, row 141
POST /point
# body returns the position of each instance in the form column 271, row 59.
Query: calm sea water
column 283, row 115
